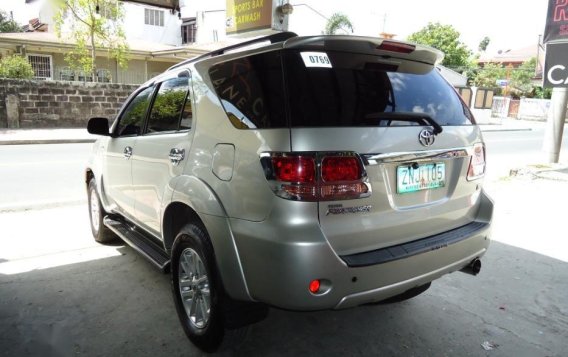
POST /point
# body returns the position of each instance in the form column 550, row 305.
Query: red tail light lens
column 392, row 46
column 476, row 167
column 340, row 168
column 316, row 176
column 301, row 169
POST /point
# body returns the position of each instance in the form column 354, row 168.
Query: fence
column 103, row 76
column 526, row 109
column 57, row 104
column 500, row 107
column 534, row 109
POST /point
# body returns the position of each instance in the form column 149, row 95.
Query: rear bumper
column 281, row 257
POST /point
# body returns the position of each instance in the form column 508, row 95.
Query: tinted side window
column 132, row 120
column 166, row 111
column 251, row 90
column 186, row 114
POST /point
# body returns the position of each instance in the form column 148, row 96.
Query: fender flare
column 200, row 197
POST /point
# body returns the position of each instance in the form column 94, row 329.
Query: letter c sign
column 556, row 65
column 557, row 75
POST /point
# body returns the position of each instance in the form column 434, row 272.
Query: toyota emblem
column 426, row 137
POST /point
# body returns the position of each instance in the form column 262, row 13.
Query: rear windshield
column 330, row 89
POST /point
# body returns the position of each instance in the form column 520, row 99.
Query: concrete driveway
column 62, row 294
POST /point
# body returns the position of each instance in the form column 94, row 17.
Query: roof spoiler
column 274, row 38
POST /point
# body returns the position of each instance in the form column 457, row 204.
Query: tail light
column 393, row 46
column 476, row 167
column 316, row 176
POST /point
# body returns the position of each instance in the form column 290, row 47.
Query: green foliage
column 167, row 106
column 483, row 44
column 338, row 21
column 91, row 31
column 446, row 39
column 487, row 76
column 521, row 77
column 7, row 24
column 16, row 67
column 541, row 93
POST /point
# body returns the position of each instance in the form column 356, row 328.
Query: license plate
column 412, row 178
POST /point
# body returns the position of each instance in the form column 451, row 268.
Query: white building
column 141, row 22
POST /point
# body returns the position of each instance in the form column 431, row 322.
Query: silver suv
column 308, row 173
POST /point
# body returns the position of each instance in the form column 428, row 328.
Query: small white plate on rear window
column 316, row 59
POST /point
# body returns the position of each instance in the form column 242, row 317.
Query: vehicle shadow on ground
column 122, row 306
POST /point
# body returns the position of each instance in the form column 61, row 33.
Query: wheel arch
column 193, row 201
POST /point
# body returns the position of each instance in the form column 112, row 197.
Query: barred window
column 154, row 17
column 41, row 64
column 188, row 31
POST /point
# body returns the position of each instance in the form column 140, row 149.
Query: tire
column 100, row 232
column 202, row 309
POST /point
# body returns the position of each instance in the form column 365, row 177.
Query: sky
column 509, row 24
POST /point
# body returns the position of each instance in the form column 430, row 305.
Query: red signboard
column 556, row 21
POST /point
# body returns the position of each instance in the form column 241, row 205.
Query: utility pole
column 555, row 124
column 555, row 77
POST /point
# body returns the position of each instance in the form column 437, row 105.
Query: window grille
column 83, row 76
column 41, row 64
column 66, row 74
column 154, row 17
column 103, row 75
column 188, row 32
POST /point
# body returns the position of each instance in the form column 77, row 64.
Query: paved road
column 41, row 175
column 61, row 294
column 510, row 149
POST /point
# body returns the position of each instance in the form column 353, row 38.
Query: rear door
column 162, row 150
column 378, row 107
column 117, row 170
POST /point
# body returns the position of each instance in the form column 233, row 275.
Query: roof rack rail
column 274, row 38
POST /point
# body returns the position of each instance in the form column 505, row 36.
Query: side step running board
column 140, row 242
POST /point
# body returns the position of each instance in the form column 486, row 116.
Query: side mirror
column 98, row 126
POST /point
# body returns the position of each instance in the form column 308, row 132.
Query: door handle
column 127, row 152
column 176, row 156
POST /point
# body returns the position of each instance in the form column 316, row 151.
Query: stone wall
column 58, row 104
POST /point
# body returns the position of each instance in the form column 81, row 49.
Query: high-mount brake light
column 476, row 167
column 399, row 47
column 316, row 176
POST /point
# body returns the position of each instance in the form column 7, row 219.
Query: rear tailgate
column 344, row 101
column 388, row 217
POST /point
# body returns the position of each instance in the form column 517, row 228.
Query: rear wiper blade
column 420, row 118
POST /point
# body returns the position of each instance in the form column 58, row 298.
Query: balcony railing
column 103, row 76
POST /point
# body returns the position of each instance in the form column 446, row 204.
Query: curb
column 511, row 129
column 46, row 141
column 29, row 206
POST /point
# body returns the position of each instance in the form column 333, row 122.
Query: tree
column 7, row 24
column 521, row 77
column 338, row 21
column 446, row 39
column 488, row 75
column 92, row 25
column 483, row 44
column 16, row 67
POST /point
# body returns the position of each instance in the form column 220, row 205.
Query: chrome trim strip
column 377, row 159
